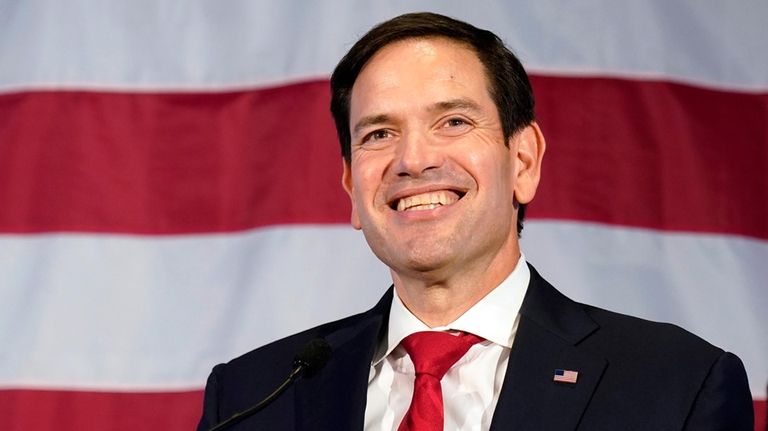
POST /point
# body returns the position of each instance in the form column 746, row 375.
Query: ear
column 530, row 146
column 346, row 182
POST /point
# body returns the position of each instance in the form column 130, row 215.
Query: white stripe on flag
column 108, row 311
column 112, row 312
column 200, row 44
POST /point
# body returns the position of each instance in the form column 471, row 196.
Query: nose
column 416, row 154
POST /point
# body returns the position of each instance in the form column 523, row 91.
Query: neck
column 439, row 300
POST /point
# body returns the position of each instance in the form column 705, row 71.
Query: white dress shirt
column 471, row 387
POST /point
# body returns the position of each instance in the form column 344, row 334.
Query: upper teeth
column 426, row 201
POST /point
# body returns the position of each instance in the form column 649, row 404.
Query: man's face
column 431, row 180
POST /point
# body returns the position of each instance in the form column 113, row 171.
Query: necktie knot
column 434, row 353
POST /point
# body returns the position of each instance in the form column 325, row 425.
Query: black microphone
column 310, row 359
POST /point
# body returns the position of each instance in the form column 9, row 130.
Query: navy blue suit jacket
column 632, row 375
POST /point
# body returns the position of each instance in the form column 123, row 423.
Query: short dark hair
column 508, row 82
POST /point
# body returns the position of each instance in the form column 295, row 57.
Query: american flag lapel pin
column 565, row 376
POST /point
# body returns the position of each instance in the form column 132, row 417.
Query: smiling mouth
column 426, row 201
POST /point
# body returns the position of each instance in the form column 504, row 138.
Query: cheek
column 487, row 166
column 495, row 178
column 361, row 198
column 363, row 180
column 367, row 178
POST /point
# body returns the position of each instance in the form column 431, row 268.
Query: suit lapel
column 335, row 398
column 550, row 328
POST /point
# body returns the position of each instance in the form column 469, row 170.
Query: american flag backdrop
column 170, row 184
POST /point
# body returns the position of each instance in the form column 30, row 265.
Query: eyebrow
column 446, row 105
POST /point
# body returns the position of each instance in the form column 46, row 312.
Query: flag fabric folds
column 170, row 185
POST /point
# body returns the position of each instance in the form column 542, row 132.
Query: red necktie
column 433, row 354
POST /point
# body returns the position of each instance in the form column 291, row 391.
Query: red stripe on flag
column 761, row 415
column 25, row 410
column 168, row 163
column 653, row 154
column 646, row 154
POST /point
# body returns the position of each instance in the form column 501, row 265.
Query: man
column 441, row 154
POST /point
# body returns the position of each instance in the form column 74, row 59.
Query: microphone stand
column 312, row 357
column 237, row 417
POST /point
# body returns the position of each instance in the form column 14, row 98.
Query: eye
column 454, row 126
column 377, row 135
column 455, row 122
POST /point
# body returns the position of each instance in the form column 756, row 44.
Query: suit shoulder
column 648, row 340
column 269, row 364
column 607, row 332
column 236, row 385
column 255, row 374
column 283, row 351
column 663, row 368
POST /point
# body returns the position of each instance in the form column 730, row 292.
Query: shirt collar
column 494, row 317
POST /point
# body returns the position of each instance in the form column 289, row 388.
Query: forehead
column 427, row 65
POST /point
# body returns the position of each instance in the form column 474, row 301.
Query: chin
column 419, row 261
column 421, row 254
